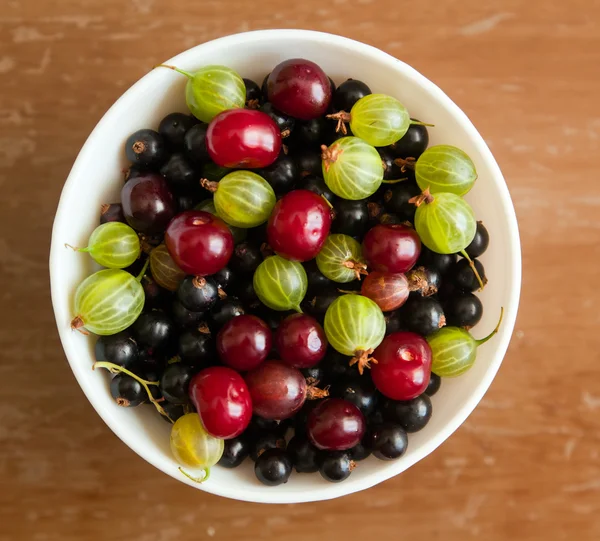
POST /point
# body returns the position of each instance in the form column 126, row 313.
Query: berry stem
column 484, row 340
column 424, row 197
column 395, row 180
column 408, row 163
column 363, row 359
column 116, row 369
column 357, row 266
column 474, row 269
column 342, row 117
column 75, row 249
column 143, row 271
column 178, row 70
column 209, row 185
column 330, row 155
column 197, row 479
column 417, row 281
column 419, row 123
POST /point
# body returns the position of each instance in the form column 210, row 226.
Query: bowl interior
column 96, row 178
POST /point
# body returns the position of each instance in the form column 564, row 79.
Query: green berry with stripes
column 164, row 270
column 454, row 350
column 239, row 234
column 352, row 169
column 114, row 245
column 108, row 301
column 444, row 168
column 380, row 120
column 354, row 324
column 211, row 90
column 244, row 199
column 280, row 284
column 445, row 222
column 341, row 259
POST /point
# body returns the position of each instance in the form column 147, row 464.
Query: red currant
column 222, row 400
column 244, row 342
column 391, row 248
column 199, row 242
column 243, row 138
column 336, row 425
column 299, row 88
column 278, row 390
column 301, row 341
column 403, row 366
column 299, row 225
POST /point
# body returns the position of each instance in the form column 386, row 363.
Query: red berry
column 244, row 342
column 299, row 88
column 199, row 242
column 301, row 341
column 243, row 138
column 388, row 290
column 391, row 248
column 222, row 400
column 403, row 366
column 299, row 225
column 336, row 425
column 148, row 204
column 278, row 390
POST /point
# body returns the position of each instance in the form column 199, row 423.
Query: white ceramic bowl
column 96, row 178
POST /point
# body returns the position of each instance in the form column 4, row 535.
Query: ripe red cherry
column 148, row 204
column 391, row 248
column 278, row 390
column 243, row 138
column 336, row 425
column 222, row 400
column 244, row 342
column 199, row 242
column 301, row 341
column 299, row 225
column 299, row 88
column 403, row 366
column 389, row 290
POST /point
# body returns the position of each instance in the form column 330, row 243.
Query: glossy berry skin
column 388, row 290
column 244, row 342
column 245, row 292
column 387, row 441
column 284, row 122
column 235, row 452
column 463, row 310
column 273, row 467
column 336, row 466
column 413, row 143
column 403, row 366
column 359, row 391
column 265, row 441
column 278, row 390
column 199, row 243
column 185, row 318
column 198, row 294
column 299, row 225
column 301, row 341
column 304, row 455
column 243, row 138
column 464, row 278
column 225, row 311
column 118, row 348
column 282, row 175
column 335, row 425
column 412, row 415
column 393, row 322
column 351, row 217
column 252, row 91
column 316, row 184
column 112, row 212
column 395, row 199
column 246, row 258
column 310, row 133
column 348, row 93
column 224, row 278
column 480, row 242
column 391, row 248
column 148, row 204
column 174, row 127
column 175, row 382
column 197, row 348
column 442, row 262
column 222, row 400
column 299, row 88
column 126, row 391
column 423, row 315
column 435, row 383
column 194, row 144
column 179, row 173
column 146, row 148
column 154, row 329
column 390, row 169
column 359, row 452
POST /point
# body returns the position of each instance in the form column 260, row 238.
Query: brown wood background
column 525, row 466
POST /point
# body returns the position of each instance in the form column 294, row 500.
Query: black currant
column 265, row 441
column 464, row 278
column 318, row 304
column 463, row 310
column 359, row 452
column 480, row 242
column 393, row 322
column 413, row 143
column 179, row 173
column 314, row 373
column 185, row 318
column 194, row 144
column 244, row 290
column 391, row 171
column 337, row 366
column 147, row 148
column 316, row 280
column 154, row 295
column 155, row 330
column 175, row 382
column 246, row 258
column 235, row 452
column 412, row 415
column 118, row 348
column 396, row 197
column 198, row 294
column 127, row 391
column 284, row 122
column 253, row 94
column 224, row 311
column 310, row 133
column 303, row 454
column 434, row 385
column 308, row 161
column 263, row 88
column 335, row 466
column 426, row 281
column 387, row 441
column 390, row 219
column 196, row 347
column 173, row 411
column 186, row 201
column 112, row 212
column 317, row 185
column 351, row 218
column 282, row 175
column 422, row 315
column 224, row 278
column 174, row 127
column 348, row 93
column 273, row 467
column 442, row 262
column 359, row 391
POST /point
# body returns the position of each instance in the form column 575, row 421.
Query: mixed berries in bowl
column 280, row 269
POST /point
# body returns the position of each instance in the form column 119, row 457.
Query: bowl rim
column 511, row 307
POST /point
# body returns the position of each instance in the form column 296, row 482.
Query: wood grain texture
column 526, row 465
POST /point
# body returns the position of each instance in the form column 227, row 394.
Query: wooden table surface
column 526, row 464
